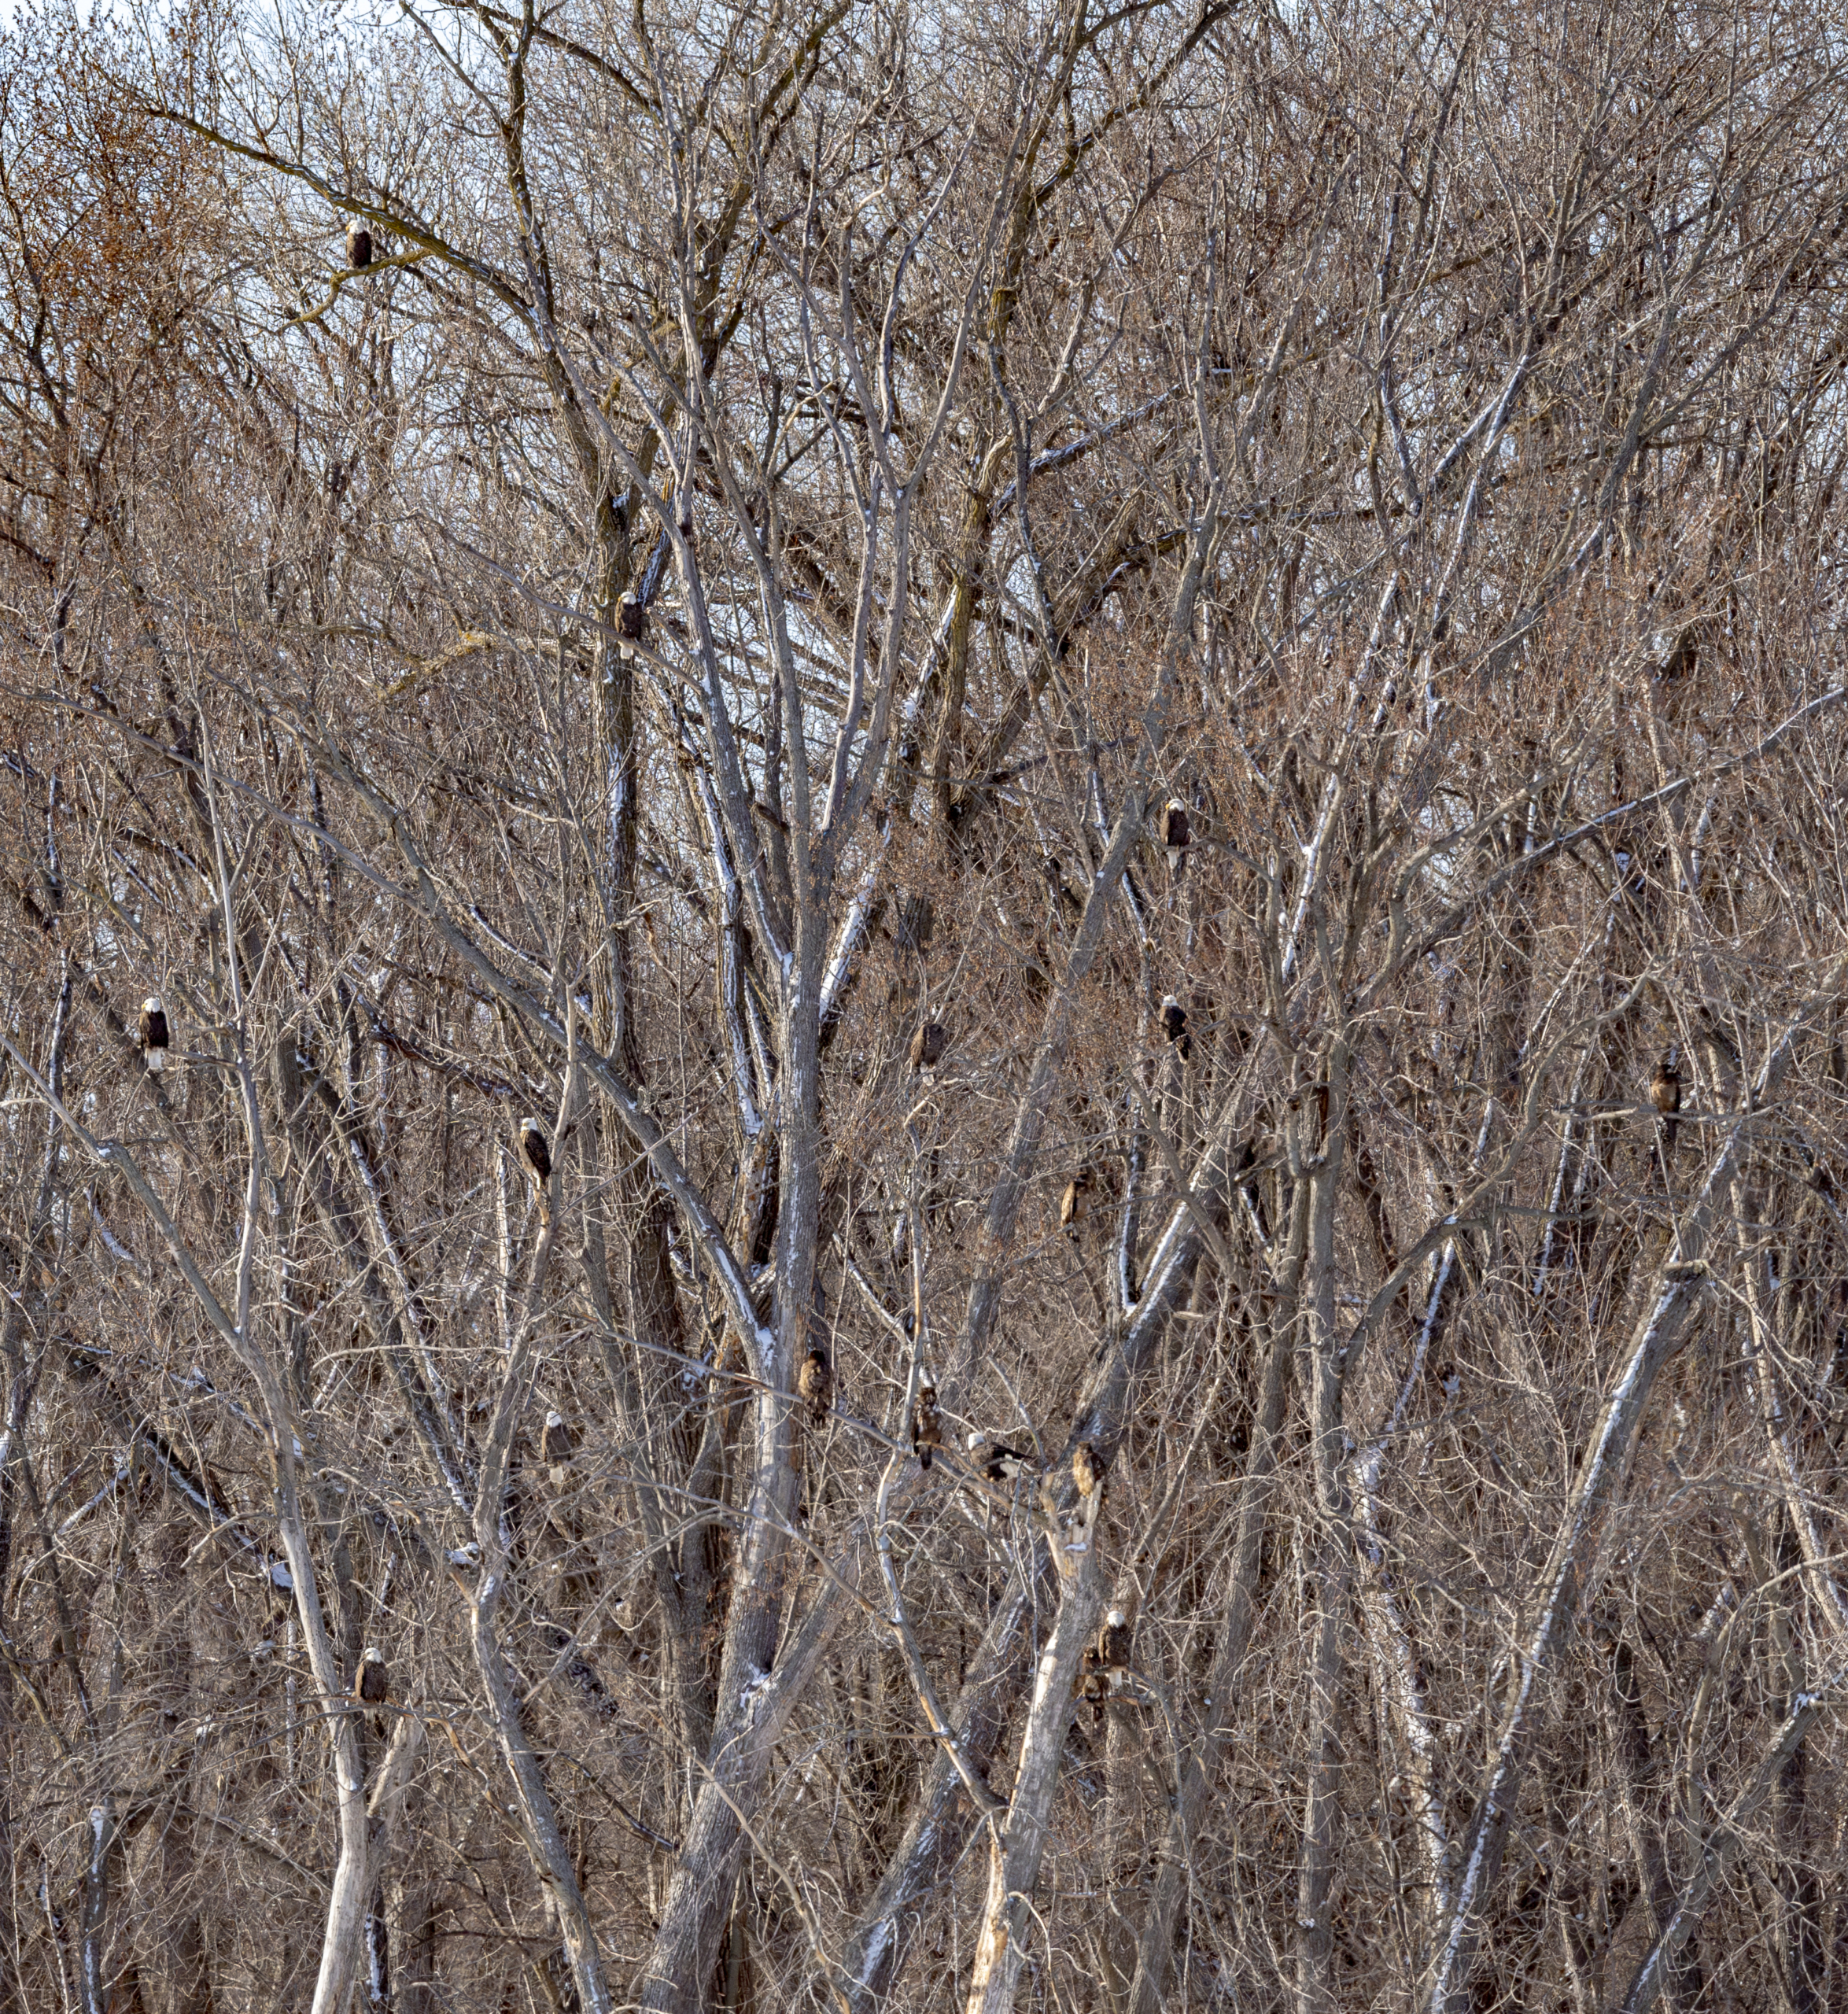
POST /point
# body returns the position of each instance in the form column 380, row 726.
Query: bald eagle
column 815, row 1381
column 997, row 1461
column 1113, row 1645
column 1174, row 1025
column 1075, row 1205
column 370, row 1688
column 152, row 1030
column 631, row 618
column 359, row 246
column 1087, row 1469
column 926, row 1428
column 1175, row 833
column 927, row 1049
column 557, row 1445
column 536, row 1151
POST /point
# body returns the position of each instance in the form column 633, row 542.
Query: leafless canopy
column 1105, row 746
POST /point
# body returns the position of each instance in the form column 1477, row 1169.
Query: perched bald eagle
column 1176, row 834
column 997, row 1461
column 1174, row 1025
column 1113, row 1645
column 1087, row 1469
column 631, row 618
column 926, row 1428
column 1075, row 1205
column 926, row 1048
column 1092, row 1681
column 370, row 1688
column 359, row 246
column 815, row 1381
column 152, row 1030
column 536, row 1151
column 557, row 1445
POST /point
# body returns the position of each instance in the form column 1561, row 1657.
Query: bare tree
column 1069, row 707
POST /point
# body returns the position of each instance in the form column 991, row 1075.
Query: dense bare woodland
column 997, row 861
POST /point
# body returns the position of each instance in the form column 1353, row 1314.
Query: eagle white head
column 555, row 1419
column 530, row 1124
column 973, row 1442
column 1117, row 1618
column 1168, row 1000
column 370, row 1655
column 152, row 1004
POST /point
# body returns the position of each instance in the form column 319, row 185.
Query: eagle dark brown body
column 815, row 1381
column 1664, row 1094
column 926, row 1428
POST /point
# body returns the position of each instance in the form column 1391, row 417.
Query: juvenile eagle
column 926, row 1428
column 155, row 1038
column 1175, row 833
column 815, row 1381
column 359, row 246
column 1092, row 1681
column 1174, row 1025
column 927, row 1049
column 1664, row 1094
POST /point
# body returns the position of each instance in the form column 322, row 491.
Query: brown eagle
column 1092, row 1681
column 1664, row 1094
column 1174, row 1025
column 928, row 1047
column 815, row 1381
column 926, row 1428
